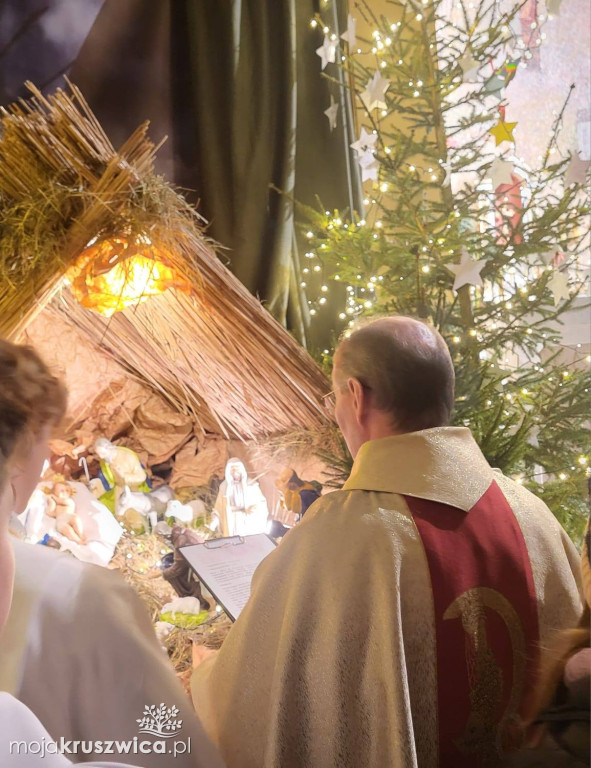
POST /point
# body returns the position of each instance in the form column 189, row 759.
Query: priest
column 399, row 624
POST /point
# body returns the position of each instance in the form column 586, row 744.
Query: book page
column 226, row 566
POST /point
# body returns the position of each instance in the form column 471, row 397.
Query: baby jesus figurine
column 62, row 507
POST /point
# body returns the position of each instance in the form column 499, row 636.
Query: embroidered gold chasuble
column 398, row 624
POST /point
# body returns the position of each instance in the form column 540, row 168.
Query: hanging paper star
column 365, row 141
column 370, row 171
column 532, row 438
column 502, row 131
column 500, row 172
column 515, row 26
column 349, row 35
column 534, row 353
column 375, row 91
column 468, row 271
column 576, row 170
column 366, row 158
column 469, row 65
column 554, row 258
column 331, row 113
column 327, row 51
column 558, row 284
column 494, row 85
column 447, row 168
column 369, row 165
column 497, row 95
column 547, row 257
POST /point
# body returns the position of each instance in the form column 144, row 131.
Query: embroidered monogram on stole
column 485, row 622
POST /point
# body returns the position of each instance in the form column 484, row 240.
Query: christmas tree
column 457, row 231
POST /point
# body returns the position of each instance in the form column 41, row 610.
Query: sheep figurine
column 150, row 505
column 185, row 513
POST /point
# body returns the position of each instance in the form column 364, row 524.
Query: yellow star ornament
column 503, row 131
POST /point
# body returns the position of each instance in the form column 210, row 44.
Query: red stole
column 486, row 624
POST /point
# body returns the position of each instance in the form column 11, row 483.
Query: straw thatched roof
column 206, row 345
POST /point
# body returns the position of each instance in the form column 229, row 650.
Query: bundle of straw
column 212, row 351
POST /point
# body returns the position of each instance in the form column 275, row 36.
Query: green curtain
column 237, row 87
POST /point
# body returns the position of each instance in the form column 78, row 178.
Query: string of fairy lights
column 355, row 303
column 382, row 43
column 363, row 296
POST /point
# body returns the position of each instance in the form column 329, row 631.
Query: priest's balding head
column 390, row 376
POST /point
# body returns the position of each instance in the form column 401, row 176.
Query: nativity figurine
column 297, row 496
column 62, row 507
column 120, row 467
column 176, row 570
column 240, row 508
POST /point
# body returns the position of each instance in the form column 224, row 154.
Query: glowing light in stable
column 114, row 274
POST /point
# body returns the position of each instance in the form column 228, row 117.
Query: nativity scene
column 134, row 326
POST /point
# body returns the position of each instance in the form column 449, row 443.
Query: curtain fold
column 237, row 87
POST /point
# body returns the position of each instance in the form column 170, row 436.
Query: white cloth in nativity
column 101, row 529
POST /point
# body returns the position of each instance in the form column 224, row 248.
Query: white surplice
column 79, row 650
column 21, row 738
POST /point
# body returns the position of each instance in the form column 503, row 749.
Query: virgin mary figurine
column 240, row 508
